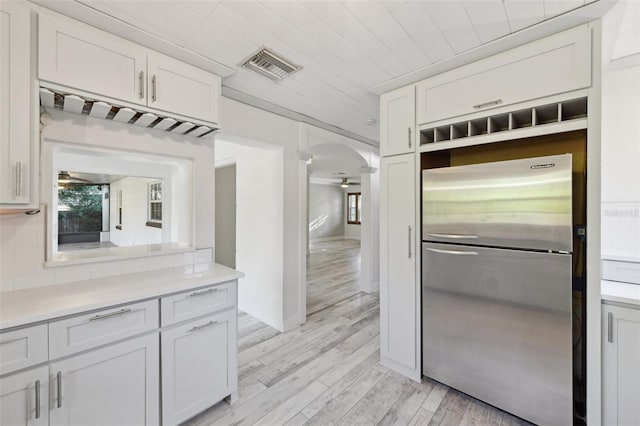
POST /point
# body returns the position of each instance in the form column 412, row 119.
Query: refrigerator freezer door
column 518, row 203
column 496, row 325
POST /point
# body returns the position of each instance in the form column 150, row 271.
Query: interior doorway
column 335, row 220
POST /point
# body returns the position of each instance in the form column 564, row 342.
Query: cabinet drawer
column 556, row 64
column 23, row 348
column 194, row 303
column 98, row 328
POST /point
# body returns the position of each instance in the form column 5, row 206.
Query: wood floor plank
column 292, row 406
column 375, row 404
column 435, row 397
column 345, row 400
column 422, row 418
column 334, row 390
column 451, row 410
column 406, row 407
column 254, row 409
column 338, row 372
column 298, row 420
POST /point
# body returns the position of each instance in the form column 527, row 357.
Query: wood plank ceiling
column 345, row 47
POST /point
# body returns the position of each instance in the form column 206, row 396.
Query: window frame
column 151, row 194
column 358, row 208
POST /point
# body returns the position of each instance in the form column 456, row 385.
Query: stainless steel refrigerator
column 496, row 284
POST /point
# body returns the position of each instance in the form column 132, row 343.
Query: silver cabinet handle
column 153, row 88
column 202, row 327
column 409, row 241
column 409, row 128
column 456, row 252
column 453, row 236
column 141, row 82
column 37, row 399
column 200, row 293
column 110, row 314
column 486, row 104
column 18, row 179
column 59, row 383
column 610, row 327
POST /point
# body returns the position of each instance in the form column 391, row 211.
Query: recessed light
column 370, row 121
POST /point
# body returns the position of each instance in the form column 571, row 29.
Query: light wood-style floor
column 327, row 371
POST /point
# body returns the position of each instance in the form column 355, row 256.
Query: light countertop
column 613, row 291
column 18, row 308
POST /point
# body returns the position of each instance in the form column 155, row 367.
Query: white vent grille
column 98, row 109
column 270, row 65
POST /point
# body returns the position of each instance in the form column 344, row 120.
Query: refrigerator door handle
column 453, row 236
column 454, row 252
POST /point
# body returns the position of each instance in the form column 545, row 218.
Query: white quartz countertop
column 21, row 307
column 620, row 292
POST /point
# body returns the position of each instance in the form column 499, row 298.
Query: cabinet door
column 398, row 289
column 183, row 89
column 82, row 57
column 397, row 121
column 621, row 365
column 116, row 385
column 199, row 365
column 15, row 102
column 556, row 64
column 24, row 398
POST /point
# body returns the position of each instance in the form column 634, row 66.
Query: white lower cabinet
column 24, row 398
column 115, row 385
column 399, row 294
column 620, row 366
column 199, row 365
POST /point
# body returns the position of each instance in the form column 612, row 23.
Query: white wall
column 225, row 252
column 259, row 228
column 621, row 133
column 134, row 230
column 22, row 237
column 326, row 211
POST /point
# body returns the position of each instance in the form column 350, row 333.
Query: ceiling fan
column 66, row 177
column 345, row 183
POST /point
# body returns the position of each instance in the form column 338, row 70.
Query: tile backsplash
column 22, row 255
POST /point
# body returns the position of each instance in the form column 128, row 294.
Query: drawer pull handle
column 59, row 376
column 110, row 314
column 486, row 104
column 455, row 252
column 141, row 83
column 200, row 293
column 18, row 179
column 37, row 399
column 154, row 82
column 610, row 327
column 202, row 327
column 409, row 129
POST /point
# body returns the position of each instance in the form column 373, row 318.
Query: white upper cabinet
column 176, row 86
column 16, row 167
column 397, row 122
column 80, row 56
column 555, row 64
column 85, row 59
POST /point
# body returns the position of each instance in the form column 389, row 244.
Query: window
column 354, row 208
column 155, row 205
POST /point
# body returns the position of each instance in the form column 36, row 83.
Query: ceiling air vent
column 270, row 65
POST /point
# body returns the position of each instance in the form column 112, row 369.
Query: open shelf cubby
column 541, row 115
